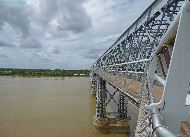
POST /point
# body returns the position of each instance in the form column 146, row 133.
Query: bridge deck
column 132, row 87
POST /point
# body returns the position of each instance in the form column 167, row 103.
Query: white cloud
column 68, row 34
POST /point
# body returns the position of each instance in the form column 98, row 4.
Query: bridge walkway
column 130, row 87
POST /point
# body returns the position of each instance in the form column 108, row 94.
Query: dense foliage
column 42, row 72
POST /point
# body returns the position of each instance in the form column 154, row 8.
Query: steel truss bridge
column 149, row 64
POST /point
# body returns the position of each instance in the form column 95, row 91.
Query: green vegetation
column 43, row 72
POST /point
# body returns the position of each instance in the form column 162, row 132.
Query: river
column 49, row 107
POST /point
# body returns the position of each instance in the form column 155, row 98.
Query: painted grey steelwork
column 141, row 38
column 104, row 97
column 141, row 53
column 100, row 99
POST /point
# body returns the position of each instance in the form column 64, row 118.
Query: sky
column 62, row 34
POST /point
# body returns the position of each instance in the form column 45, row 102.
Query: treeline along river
column 43, row 72
column 48, row 107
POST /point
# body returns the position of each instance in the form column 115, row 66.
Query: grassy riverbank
column 43, row 72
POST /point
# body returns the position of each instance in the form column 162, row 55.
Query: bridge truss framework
column 153, row 51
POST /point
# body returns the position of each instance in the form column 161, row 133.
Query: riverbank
column 43, row 72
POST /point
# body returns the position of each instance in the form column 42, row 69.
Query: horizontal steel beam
column 135, row 72
column 131, row 62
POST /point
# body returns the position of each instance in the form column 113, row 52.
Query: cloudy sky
column 65, row 34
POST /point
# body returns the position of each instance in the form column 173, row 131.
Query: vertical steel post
column 93, row 83
column 100, row 99
column 122, row 106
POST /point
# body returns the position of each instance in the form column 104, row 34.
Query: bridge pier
column 100, row 119
column 109, row 122
column 100, row 99
column 93, row 83
column 122, row 108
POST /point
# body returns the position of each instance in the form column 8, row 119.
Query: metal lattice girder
column 121, row 103
column 122, row 107
column 175, row 80
column 111, row 97
column 100, row 99
column 93, row 82
column 141, row 39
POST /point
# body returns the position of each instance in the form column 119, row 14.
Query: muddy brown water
column 49, row 107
